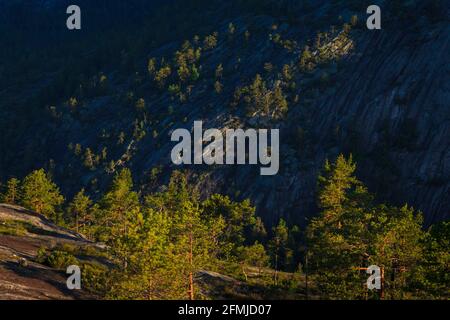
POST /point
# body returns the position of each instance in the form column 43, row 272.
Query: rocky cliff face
column 388, row 105
column 22, row 234
column 380, row 95
column 392, row 106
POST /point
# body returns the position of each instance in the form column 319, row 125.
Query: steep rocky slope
column 383, row 96
column 22, row 234
column 393, row 106
column 23, row 276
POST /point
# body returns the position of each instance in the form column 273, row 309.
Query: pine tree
column 255, row 256
column 162, row 75
column 219, row 72
column 398, row 249
column 151, row 66
column 432, row 277
column 278, row 247
column 295, row 248
column 231, row 29
column 12, row 192
column 79, row 210
column 240, row 223
column 167, row 242
column 195, row 235
column 116, row 204
column 279, row 104
column 89, row 159
column 353, row 232
column 218, row 87
column 306, row 60
column 151, row 273
column 259, row 232
column 336, row 238
column 77, row 149
column 210, row 41
column 140, row 104
column 41, row 195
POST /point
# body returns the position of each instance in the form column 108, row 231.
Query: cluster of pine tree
column 158, row 242
column 353, row 232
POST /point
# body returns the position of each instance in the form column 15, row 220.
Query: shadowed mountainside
column 381, row 95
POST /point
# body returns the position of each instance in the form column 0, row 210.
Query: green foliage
column 278, row 246
column 151, row 66
column 307, row 63
column 261, row 101
column 56, row 259
column 162, row 75
column 186, row 60
column 240, row 223
column 96, row 279
column 432, row 279
column 164, row 242
column 116, row 206
column 210, row 41
column 12, row 193
column 140, row 104
column 77, row 149
column 12, row 228
column 72, row 103
column 78, row 211
column 89, row 159
column 218, row 87
column 255, row 256
column 121, row 138
column 353, row 232
column 41, row 195
column 158, row 245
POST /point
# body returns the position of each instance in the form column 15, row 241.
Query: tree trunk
column 191, row 274
column 245, row 273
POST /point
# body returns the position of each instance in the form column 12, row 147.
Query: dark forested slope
column 84, row 105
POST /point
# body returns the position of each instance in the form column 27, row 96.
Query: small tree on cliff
column 12, row 192
column 41, row 195
column 79, row 209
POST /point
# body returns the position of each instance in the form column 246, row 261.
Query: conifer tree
column 278, row 247
column 306, row 60
column 79, row 210
column 151, row 274
column 432, row 277
column 116, row 204
column 89, row 159
column 195, row 236
column 336, row 237
column 240, row 223
column 397, row 248
column 167, row 242
column 353, row 232
column 12, row 192
column 41, row 195
column 255, row 256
